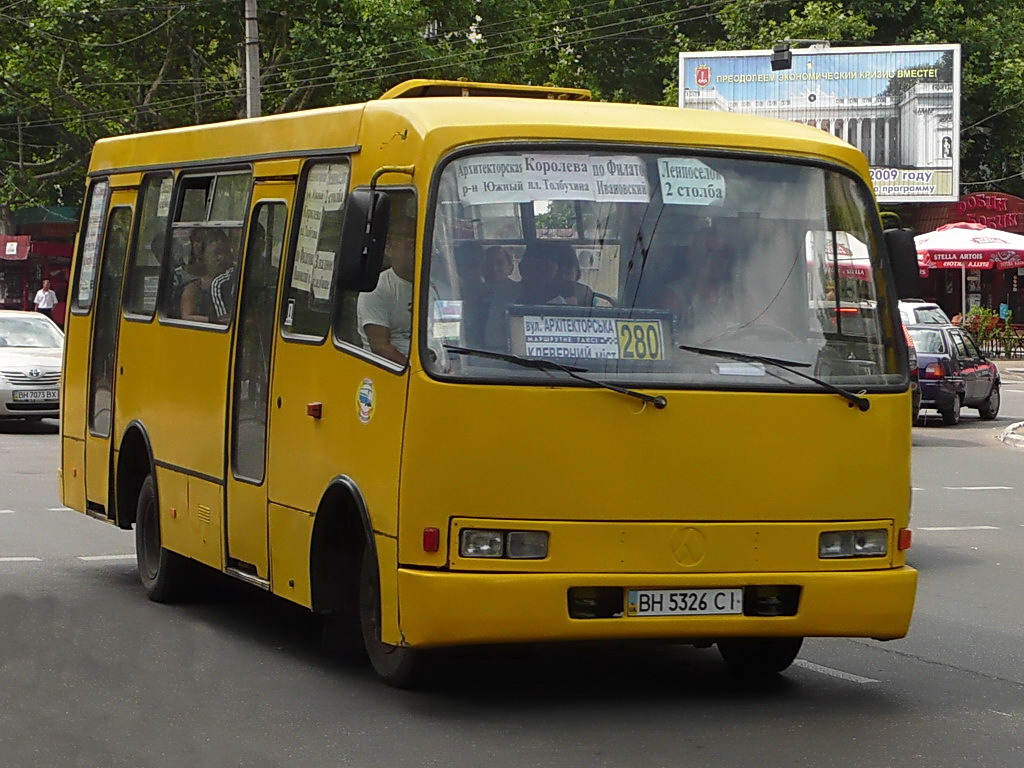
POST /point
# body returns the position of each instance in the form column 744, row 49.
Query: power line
column 214, row 95
column 498, row 52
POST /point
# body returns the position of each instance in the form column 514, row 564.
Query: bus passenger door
column 103, row 351
column 246, row 507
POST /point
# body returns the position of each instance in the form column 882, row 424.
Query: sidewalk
column 1010, row 370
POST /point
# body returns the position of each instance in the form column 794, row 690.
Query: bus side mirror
column 903, row 258
column 363, row 236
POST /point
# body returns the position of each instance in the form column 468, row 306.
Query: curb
column 1010, row 436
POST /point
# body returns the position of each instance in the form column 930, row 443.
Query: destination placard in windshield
column 555, row 332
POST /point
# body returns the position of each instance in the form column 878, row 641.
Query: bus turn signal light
column 903, row 540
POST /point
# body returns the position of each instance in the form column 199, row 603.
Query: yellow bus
column 477, row 363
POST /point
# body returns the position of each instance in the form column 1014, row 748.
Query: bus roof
column 451, row 121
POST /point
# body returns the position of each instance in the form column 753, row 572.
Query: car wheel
column 951, row 415
column 759, row 656
column 990, row 408
column 164, row 574
column 396, row 665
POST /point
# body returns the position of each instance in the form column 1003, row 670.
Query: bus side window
column 206, row 233
column 147, row 256
column 89, row 245
column 384, row 315
column 310, row 281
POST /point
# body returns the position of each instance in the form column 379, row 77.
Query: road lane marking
column 977, row 488
column 6, row 511
column 848, row 676
column 20, row 560
column 107, row 557
column 59, row 509
column 958, row 528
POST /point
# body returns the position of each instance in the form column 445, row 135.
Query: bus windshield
column 631, row 264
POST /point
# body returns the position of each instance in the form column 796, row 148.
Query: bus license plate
column 35, row 395
column 683, row 602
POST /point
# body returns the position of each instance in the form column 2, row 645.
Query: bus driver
column 385, row 313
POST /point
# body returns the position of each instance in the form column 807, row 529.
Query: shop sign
column 991, row 209
column 14, row 247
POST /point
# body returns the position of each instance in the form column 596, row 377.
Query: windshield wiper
column 541, row 364
column 788, row 365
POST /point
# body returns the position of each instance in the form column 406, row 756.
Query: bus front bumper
column 438, row 608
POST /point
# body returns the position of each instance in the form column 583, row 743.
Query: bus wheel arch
column 341, row 532
column 134, row 465
column 397, row 665
column 165, row 575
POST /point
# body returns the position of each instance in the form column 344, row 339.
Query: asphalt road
column 93, row 674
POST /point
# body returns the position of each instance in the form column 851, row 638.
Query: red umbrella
column 965, row 245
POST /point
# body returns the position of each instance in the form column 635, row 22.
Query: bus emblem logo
column 365, row 400
column 703, row 75
column 688, row 546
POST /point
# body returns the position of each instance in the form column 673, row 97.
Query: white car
column 31, row 348
column 921, row 312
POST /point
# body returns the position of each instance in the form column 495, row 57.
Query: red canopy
column 965, row 245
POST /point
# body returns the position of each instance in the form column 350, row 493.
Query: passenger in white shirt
column 385, row 313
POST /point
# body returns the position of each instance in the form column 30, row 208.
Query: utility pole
column 252, row 61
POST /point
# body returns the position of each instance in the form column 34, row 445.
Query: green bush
column 991, row 331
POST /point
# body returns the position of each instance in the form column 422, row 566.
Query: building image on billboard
column 900, row 105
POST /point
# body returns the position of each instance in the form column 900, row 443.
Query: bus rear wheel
column 759, row 656
column 163, row 573
column 397, row 665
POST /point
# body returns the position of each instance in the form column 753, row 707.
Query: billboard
column 900, row 105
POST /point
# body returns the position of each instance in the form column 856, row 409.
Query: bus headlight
column 527, row 545
column 873, row 542
column 514, row 545
column 477, row 543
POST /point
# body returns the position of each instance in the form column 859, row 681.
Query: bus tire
column 759, row 656
column 163, row 573
column 397, row 665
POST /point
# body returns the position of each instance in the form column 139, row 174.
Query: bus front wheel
column 162, row 572
column 759, row 656
column 396, row 665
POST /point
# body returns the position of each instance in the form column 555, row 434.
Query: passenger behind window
column 223, row 286
column 540, row 284
column 385, row 313
column 498, row 268
column 570, row 287
column 483, row 276
column 216, row 258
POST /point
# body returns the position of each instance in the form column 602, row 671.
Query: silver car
column 31, row 347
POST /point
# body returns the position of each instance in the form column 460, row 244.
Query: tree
column 73, row 71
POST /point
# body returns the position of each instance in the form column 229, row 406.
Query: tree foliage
column 73, row 71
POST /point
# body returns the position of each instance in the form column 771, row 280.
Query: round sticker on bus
column 366, row 398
